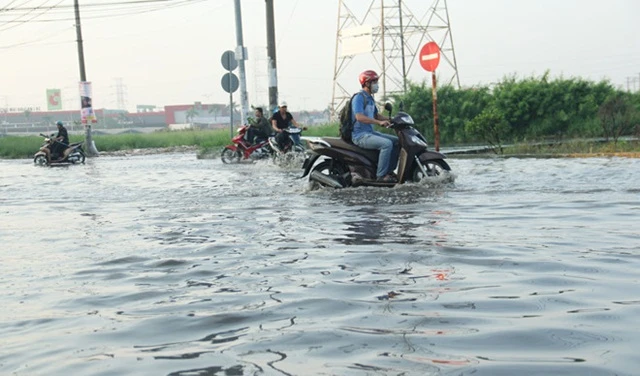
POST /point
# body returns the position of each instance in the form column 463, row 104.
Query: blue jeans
column 388, row 146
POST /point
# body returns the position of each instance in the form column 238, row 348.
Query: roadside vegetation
column 534, row 115
column 528, row 111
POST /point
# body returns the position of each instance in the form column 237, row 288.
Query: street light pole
column 241, row 57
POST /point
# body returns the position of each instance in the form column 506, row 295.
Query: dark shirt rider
column 260, row 129
column 60, row 142
column 282, row 119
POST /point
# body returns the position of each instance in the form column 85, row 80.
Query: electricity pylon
column 386, row 35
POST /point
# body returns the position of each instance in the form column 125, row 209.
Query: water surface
column 170, row 265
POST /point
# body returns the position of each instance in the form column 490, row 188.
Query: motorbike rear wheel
column 80, row 159
column 435, row 167
column 230, row 156
column 40, row 160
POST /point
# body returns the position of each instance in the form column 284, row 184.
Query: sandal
column 387, row 179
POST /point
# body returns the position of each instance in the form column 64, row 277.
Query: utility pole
column 88, row 140
column 271, row 52
column 241, row 56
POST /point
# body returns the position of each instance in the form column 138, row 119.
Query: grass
column 14, row 147
column 210, row 141
column 576, row 147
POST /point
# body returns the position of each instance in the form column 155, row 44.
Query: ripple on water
column 176, row 266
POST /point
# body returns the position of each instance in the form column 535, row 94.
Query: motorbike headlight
column 417, row 140
column 407, row 119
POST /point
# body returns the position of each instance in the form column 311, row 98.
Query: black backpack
column 346, row 122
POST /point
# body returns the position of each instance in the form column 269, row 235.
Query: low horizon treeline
column 525, row 109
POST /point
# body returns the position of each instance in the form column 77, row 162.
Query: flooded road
column 170, row 265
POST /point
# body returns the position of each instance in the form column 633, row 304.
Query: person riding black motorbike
column 280, row 121
column 365, row 114
column 58, row 144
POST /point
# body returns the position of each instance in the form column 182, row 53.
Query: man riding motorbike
column 365, row 113
column 58, row 144
column 259, row 129
column 280, row 121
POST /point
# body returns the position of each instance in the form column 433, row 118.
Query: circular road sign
column 430, row 56
column 230, row 82
column 229, row 61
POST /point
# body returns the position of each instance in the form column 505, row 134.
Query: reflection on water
column 171, row 265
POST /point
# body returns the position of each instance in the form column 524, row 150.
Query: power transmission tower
column 121, row 102
column 386, row 35
column 260, row 76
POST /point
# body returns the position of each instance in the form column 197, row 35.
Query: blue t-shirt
column 362, row 103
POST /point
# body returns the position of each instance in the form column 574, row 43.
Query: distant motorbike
column 333, row 162
column 72, row 154
column 293, row 149
column 240, row 149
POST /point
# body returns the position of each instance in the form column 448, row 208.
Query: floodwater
column 170, row 265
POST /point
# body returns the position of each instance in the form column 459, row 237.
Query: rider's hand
column 385, row 123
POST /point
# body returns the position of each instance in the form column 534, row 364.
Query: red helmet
column 368, row 76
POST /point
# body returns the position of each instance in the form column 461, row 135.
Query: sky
column 166, row 53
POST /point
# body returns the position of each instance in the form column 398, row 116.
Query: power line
column 20, row 22
column 90, row 5
column 136, row 8
column 113, row 9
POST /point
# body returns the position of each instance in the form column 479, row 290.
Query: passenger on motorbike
column 282, row 120
column 259, row 129
column 365, row 113
column 58, row 144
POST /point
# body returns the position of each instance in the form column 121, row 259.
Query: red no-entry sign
column 430, row 56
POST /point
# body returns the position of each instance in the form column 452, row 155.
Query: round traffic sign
column 230, row 82
column 430, row 56
column 229, row 61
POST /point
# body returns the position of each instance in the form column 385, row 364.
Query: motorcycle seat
column 339, row 143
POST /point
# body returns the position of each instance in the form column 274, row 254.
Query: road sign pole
column 436, row 128
column 429, row 59
column 231, row 116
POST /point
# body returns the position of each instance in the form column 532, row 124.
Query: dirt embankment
column 149, row 151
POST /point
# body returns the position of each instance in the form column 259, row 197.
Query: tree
column 491, row 126
column 48, row 120
column 215, row 110
column 617, row 116
column 191, row 113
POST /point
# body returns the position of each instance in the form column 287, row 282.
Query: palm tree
column 215, row 110
column 27, row 115
column 48, row 120
column 191, row 113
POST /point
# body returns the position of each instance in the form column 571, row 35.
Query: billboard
column 86, row 104
column 54, row 99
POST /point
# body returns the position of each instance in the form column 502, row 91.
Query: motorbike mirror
column 388, row 107
column 401, row 106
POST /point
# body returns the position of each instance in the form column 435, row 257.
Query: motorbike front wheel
column 435, row 167
column 230, row 156
column 40, row 160
column 328, row 174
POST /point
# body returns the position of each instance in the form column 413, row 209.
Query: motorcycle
column 71, row 155
column 292, row 151
column 333, row 162
column 241, row 149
